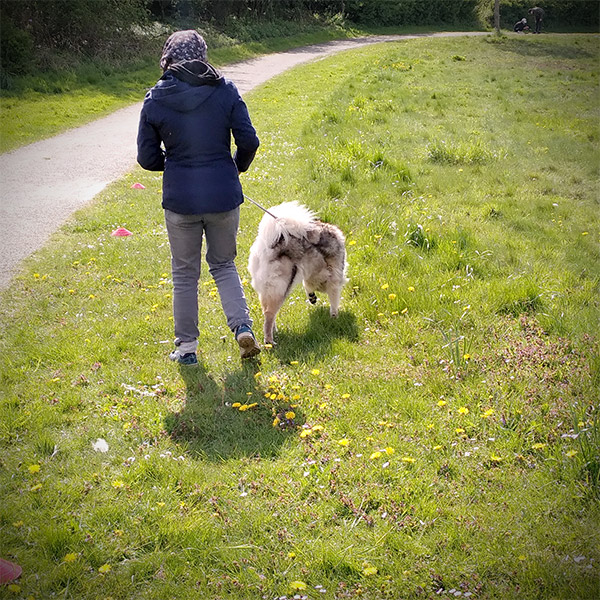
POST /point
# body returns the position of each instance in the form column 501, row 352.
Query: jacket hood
column 186, row 85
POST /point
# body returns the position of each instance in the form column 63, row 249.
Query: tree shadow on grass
column 212, row 428
column 318, row 338
column 519, row 46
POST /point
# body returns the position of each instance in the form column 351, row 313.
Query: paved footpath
column 43, row 183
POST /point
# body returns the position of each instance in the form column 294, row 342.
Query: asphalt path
column 43, row 183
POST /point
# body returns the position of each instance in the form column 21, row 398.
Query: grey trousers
column 185, row 238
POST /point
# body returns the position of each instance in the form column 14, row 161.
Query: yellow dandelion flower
column 404, row 311
column 408, row 459
column 394, row 312
column 318, row 428
column 352, row 243
column 291, row 555
column 268, row 346
column 293, row 362
column 463, row 410
column 33, row 468
column 392, row 296
column 538, row 446
column 585, row 233
column 71, row 291
column 442, row 403
column 315, row 372
column 375, row 455
column 243, row 408
column 467, row 357
column 276, row 421
column 459, row 430
column 380, row 314
column 438, row 447
column 495, row 458
column 290, row 414
column 344, row 442
column 105, row 568
column 389, row 450
column 411, row 288
column 370, row 571
column 71, row 557
column 297, row 585
column 345, row 396
column 488, row 413
column 571, row 453
column 385, row 286
column 118, row 483
column 305, row 433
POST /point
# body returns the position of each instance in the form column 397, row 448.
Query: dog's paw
column 312, row 298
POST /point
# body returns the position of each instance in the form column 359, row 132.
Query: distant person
column 193, row 111
column 538, row 14
column 521, row 25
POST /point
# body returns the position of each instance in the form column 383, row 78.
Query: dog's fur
column 295, row 247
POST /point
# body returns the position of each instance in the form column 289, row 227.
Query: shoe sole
column 248, row 346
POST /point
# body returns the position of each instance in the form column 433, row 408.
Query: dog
column 293, row 246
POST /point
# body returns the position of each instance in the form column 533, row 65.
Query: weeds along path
column 43, row 183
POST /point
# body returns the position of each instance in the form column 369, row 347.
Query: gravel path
column 43, row 183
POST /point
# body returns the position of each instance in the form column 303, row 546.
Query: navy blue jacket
column 194, row 119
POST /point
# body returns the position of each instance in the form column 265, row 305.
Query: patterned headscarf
column 181, row 46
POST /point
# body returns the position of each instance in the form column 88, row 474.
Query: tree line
column 90, row 28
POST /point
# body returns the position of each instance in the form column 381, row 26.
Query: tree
column 497, row 16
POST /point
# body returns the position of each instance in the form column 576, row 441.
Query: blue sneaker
column 189, row 358
column 246, row 341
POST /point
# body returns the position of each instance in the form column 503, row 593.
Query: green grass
column 445, row 434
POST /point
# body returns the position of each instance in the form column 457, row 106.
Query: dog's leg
column 310, row 293
column 270, row 308
column 334, row 291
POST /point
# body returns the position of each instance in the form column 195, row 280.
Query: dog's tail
column 292, row 219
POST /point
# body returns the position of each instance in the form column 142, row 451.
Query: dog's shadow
column 318, row 337
column 211, row 427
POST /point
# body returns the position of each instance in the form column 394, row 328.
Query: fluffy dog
column 293, row 246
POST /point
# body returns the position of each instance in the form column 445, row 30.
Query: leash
column 259, row 206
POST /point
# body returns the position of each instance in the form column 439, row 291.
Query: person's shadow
column 211, row 427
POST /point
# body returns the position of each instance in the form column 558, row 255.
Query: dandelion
column 411, row 288
column 488, row 413
column 345, row 396
column 392, row 296
column 71, row 557
column 268, row 346
column 243, row 408
column 297, row 586
column 438, row 447
column 33, row 469
column 389, row 450
column 538, row 446
column 290, row 414
column 276, row 421
column 571, row 453
column 318, row 428
column 315, row 372
column 105, row 568
column 352, row 243
column 463, row 410
column 118, row 483
column 291, row 555
column 293, row 362
column 370, row 570
column 459, row 430
column 385, row 286
column 442, row 403
column 236, row 405
column 467, row 357
column 495, row 458
column 585, row 233
column 375, row 455
column 344, row 442
column 404, row 311
column 305, row 433
column 408, row 459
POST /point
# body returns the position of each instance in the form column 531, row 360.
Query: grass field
column 440, row 439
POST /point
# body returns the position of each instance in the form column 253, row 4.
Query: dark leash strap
column 259, row 206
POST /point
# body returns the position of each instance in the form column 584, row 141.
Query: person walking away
column 193, row 111
column 521, row 26
column 538, row 15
